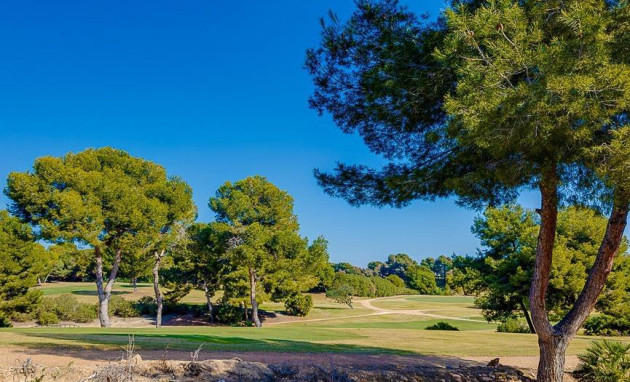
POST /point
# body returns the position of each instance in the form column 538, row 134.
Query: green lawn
column 329, row 328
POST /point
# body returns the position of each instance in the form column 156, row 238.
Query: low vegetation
column 605, row 361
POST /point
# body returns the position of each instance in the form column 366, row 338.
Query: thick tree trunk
column 528, row 318
column 554, row 340
column 208, row 294
column 159, row 298
column 552, row 357
column 105, row 291
column 252, row 294
column 550, row 360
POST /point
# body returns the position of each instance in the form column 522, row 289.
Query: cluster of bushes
column 512, row 325
column 605, row 325
column 65, row 307
column 371, row 286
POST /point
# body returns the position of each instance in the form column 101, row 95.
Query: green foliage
column 47, row 318
column 120, row 307
column 298, row 305
column 421, row 279
column 509, row 237
column 606, row 325
column 396, row 281
column 265, row 247
column 85, row 313
column 4, row 321
column 146, row 305
column 442, row 326
column 341, row 295
column 22, row 261
column 605, row 361
column 67, row 307
column 512, row 325
column 104, row 199
column 229, row 314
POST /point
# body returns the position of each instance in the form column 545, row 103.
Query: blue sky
column 212, row 90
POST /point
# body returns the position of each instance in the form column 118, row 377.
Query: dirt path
column 368, row 304
column 377, row 312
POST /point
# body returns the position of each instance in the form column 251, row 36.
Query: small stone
column 494, row 363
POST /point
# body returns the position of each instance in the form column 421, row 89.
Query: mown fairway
column 393, row 325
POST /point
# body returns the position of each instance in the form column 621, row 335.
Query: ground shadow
column 107, row 347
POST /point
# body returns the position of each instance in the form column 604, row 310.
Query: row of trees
column 103, row 211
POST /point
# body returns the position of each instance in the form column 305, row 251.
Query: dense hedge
column 373, row 286
column 605, row 325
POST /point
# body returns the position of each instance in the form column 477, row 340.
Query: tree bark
column 527, row 317
column 602, row 267
column 134, row 282
column 554, row 340
column 550, row 360
column 252, row 294
column 208, row 294
column 105, row 291
column 159, row 298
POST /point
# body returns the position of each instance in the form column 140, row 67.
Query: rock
column 494, row 363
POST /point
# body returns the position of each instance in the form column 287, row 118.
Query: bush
column 229, row 314
column 47, row 318
column 512, row 325
column 120, row 307
column 65, row 307
column 85, row 313
column 442, row 326
column 4, row 321
column 604, row 325
column 147, row 305
column 605, row 361
column 20, row 317
column 298, row 305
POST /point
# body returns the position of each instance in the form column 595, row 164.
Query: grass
column 86, row 291
column 329, row 328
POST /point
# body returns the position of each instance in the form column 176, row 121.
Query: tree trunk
column 550, row 361
column 527, row 317
column 252, row 294
column 554, row 340
column 105, row 291
column 134, row 282
column 208, row 294
column 159, row 298
column 552, row 357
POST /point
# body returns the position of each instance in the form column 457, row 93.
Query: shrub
column 85, row 313
column 298, row 305
column 65, row 307
column 47, row 318
column 229, row 314
column 605, row 361
column 146, row 305
column 442, row 326
column 512, row 325
column 20, row 317
column 4, row 321
column 120, row 307
column 604, row 325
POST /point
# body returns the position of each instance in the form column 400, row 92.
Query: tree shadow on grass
column 107, row 347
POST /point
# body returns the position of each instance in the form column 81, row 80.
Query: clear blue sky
column 212, row 90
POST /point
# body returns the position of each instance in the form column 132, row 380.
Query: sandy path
column 368, row 304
